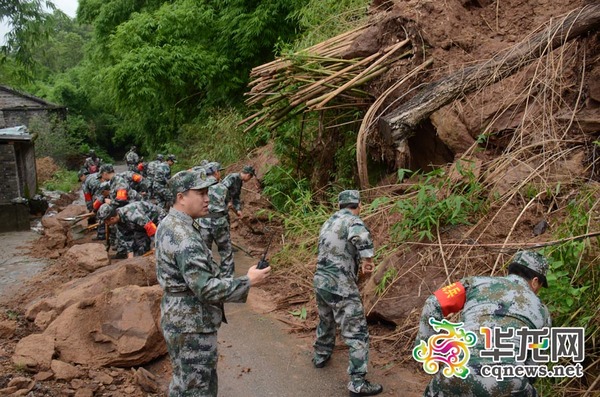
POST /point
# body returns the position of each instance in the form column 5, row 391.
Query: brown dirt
column 46, row 168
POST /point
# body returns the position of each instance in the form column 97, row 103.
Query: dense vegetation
column 170, row 77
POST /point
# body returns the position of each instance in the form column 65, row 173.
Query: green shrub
column 63, row 180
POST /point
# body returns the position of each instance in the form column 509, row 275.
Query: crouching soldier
column 136, row 222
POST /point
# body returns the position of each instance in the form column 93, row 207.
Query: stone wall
column 9, row 179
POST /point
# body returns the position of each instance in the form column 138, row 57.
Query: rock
column 101, row 377
column 7, row 391
column 120, row 329
column 42, row 376
column 19, row 386
column 52, row 222
column 77, row 383
column 36, row 307
column 129, row 389
column 21, row 382
column 65, row 371
column 43, row 319
column 84, row 392
column 135, row 271
column 55, row 239
column 146, row 380
column 7, row 329
column 89, row 257
column 451, row 130
column 35, row 352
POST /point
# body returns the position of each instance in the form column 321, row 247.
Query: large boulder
column 90, row 256
column 116, row 328
column 34, row 352
column 135, row 271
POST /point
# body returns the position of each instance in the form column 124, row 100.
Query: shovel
column 78, row 231
column 74, row 219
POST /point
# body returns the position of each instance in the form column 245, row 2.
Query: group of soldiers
column 132, row 203
column 196, row 287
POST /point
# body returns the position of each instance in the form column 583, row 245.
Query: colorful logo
column 450, row 348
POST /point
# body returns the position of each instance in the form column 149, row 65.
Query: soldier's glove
column 262, row 264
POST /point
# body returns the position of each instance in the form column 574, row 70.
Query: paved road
column 15, row 265
column 259, row 358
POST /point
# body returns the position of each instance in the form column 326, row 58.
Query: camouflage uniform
column 215, row 227
column 194, row 292
column 132, row 160
column 343, row 241
column 137, row 224
column 123, row 188
column 90, row 189
column 92, row 164
column 161, row 173
column 488, row 302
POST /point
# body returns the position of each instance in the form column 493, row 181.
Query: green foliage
column 388, row 277
column 198, row 140
column 55, row 140
column 286, row 193
column 323, row 19
column 573, row 293
column 437, row 202
column 27, row 26
column 63, row 181
column 300, row 313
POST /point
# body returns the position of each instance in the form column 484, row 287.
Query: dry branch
column 402, row 122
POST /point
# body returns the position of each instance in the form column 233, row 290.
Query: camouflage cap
column 105, row 211
column 104, row 186
column 213, row 167
column 204, row 162
column 533, row 261
column 82, row 172
column 172, row 158
column 349, row 197
column 106, row 168
column 190, row 180
column 248, row 169
column 160, row 157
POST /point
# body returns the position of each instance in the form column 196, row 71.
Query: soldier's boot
column 362, row 387
column 319, row 360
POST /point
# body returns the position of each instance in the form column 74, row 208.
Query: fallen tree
column 403, row 122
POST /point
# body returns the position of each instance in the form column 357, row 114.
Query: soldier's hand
column 257, row 276
column 368, row 267
column 239, row 214
column 129, row 255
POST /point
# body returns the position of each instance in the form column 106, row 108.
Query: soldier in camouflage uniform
column 234, row 183
column 151, row 169
column 161, row 173
column 92, row 163
column 136, row 223
column 215, row 227
column 91, row 188
column 194, row 289
column 344, row 242
column 505, row 302
column 132, row 159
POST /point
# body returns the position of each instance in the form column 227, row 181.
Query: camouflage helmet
column 105, row 211
column 248, row 169
column 533, row 261
column 190, row 180
column 106, row 168
column 349, row 197
column 160, row 157
column 171, row 157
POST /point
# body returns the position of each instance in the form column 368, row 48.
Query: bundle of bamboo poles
column 317, row 78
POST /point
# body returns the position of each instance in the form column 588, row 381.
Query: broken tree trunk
column 402, row 122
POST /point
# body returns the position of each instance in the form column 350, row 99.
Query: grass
column 63, row 181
